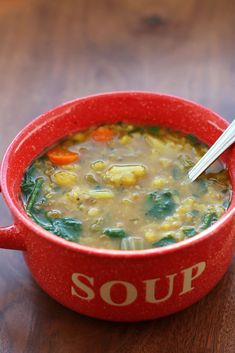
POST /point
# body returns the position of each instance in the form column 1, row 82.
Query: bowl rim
column 21, row 216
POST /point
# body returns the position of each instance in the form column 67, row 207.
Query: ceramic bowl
column 111, row 284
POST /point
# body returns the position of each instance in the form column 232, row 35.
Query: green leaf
column 115, row 232
column 28, row 182
column 34, row 194
column 193, row 139
column 160, row 204
column 168, row 240
column 67, row 228
column 41, row 219
column 208, row 219
column 226, row 204
column 189, row 232
column 153, row 130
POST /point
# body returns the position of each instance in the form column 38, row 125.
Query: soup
column 125, row 187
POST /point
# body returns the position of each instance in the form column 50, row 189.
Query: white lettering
column 89, row 293
column 151, row 289
column 131, row 293
column 189, row 277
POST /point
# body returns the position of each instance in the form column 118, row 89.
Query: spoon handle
column 223, row 142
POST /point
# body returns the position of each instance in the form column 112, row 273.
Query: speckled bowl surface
column 110, row 284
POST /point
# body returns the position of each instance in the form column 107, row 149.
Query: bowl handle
column 11, row 238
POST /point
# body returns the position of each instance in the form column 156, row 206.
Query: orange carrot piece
column 61, row 156
column 103, row 134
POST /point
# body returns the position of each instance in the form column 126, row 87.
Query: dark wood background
column 54, row 50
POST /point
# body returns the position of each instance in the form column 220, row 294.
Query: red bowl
column 110, row 284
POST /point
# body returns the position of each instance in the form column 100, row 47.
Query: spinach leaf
column 33, row 196
column 160, row 204
column 168, row 240
column 28, row 183
column 208, row 219
column 226, row 204
column 67, row 228
column 153, row 130
column 41, row 219
column 115, row 232
column 193, row 139
column 189, row 232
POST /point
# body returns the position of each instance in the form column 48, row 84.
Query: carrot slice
column 103, row 134
column 61, row 156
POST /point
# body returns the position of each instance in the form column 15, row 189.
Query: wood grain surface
column 54, row 50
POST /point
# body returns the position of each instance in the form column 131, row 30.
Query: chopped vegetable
column 208, row 219
column 132, row 243
column 124, row 175
column 61, row 156
column 90, row 178
column 65, row 178
column 103, row 134
column 98, row 165
column 101, row 194
column 154, row 130
column 193, row 139
column 115, row 232
column 28, row 183
column 189, row 232
column 66, row 228
column 226, row 204
column 154, row 142
column 160, row 204
column 33, row 196
column 168, row 240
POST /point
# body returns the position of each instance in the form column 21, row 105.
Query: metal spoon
column 224, row 141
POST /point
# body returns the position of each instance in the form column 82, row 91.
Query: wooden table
column 53, row 51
